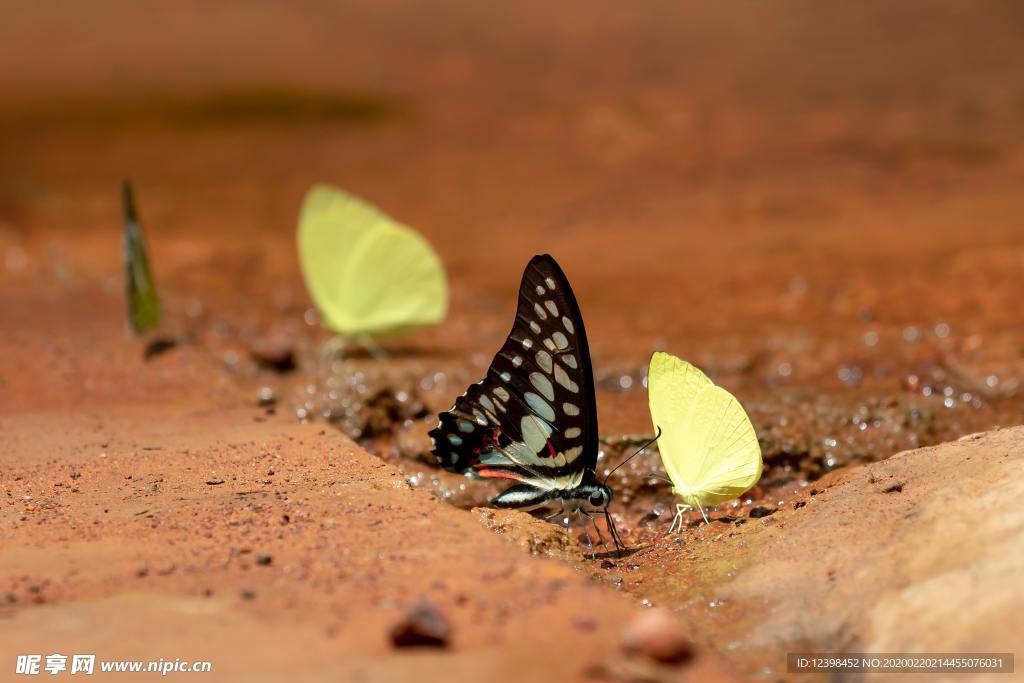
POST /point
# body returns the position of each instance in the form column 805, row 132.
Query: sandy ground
column 819, row 204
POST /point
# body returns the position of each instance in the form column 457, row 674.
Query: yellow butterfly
column 368, row 274
column 707, row 444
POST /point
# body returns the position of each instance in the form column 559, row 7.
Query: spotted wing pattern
column 533, row 418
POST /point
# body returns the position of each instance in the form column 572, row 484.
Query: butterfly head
column 595, row 497
column 592, row 497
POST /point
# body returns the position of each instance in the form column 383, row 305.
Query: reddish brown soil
column 818, row 203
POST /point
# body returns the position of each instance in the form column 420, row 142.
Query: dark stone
column 893, row 487
column 274, row 351
column 422, row 626
column 158, row 346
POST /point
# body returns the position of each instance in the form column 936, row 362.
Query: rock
column 655, row 634
column 759, row 512
column 893, row 487
column 274, row 351
column 264, row 559
column 534, row 535
column 422, row 626
column 941, row 551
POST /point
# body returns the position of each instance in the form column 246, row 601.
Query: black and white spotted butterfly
column 533, row 418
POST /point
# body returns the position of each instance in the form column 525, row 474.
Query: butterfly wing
column 533, row 418
column 140, row 292
column 366, row 273
column 708, row 444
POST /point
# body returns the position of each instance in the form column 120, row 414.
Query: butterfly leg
column 586, row 532
column 373, row 348
column 678, row 519
column 331, row 349
column 554, row 514
column 600, row 536
column 706, row 520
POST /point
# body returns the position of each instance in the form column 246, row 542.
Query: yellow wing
column 707, row 443
column 367, row 273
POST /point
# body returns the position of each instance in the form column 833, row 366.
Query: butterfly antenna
column 638, row 452
column 619, row 547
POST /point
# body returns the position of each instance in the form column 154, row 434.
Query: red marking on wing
column 552, row 449
column 483, row 472
column 491, row 439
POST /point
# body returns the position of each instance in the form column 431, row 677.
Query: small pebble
column 655, row 634
column 274, row 351
column 762, row 512
column 423, row 625
column 264, row 559
column 894, row 487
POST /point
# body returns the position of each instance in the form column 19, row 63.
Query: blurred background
column 818, row 202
